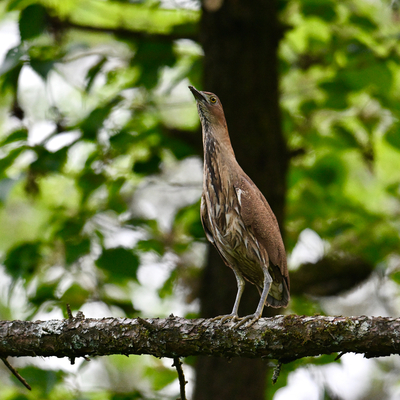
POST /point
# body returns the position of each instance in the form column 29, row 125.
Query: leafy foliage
column 345, row 80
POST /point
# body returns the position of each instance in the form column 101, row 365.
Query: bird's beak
column 197, row 94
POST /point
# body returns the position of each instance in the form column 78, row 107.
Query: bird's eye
column 213, row 99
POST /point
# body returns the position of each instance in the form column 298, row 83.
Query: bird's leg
column 257, row 315
column 234, row 314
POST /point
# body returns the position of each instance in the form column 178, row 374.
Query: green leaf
column 393, row 189
column 303, row 305
column 150, row 166
column 195, row 72
column 125, row 304
column 392, row 136
column 9, row 159
column 6, row 185
column 75, row 248
column 119, row 263
column 135, row 17
column 160, row 377
column 94, row 122
column 22, row 261
column 42, row 67
column 328, row 170
column 188, row 219
column 76, row 243
column 18, row 135
column 120, row 141
column 378, row 76
column 179, row 148
column 11, row 68
column 44, row 292
column 363, row 22
column 10, row 79
column 168, row 286
column 75, row 296
column 396, row 277
column 42, row 58
column 12, row 59
column 89, row 181
column 336, row 92
column 72, row 227
column 49, row 162
column 150, row 57
column 151, row 245
column 308, row 107
column 41, row 380
column 346, row 135
column 32, row 21
column 93, row 72
column 16, row 4
column 116, row 202
column 324, row 9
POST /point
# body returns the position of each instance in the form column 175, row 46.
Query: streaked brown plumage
column 236, row 218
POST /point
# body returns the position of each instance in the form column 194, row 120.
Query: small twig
column 79, row 315
column 342, row 353
column 69, row 312
column 276, row 373
column 71, row 317
column 297, row 152
column 15, row 373
column 178, row 365
column 146, row 324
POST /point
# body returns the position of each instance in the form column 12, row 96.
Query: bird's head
column 209, row 108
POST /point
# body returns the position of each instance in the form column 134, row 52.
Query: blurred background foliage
column 100, row 174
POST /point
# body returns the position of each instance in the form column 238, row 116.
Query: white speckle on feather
column 239, row 195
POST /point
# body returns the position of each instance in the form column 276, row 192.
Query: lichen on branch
column 282, row 337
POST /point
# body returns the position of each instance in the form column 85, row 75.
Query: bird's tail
column 278, row 298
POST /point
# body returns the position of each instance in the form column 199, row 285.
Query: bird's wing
column 207, row 230
column 257, row 214
column 205, row 220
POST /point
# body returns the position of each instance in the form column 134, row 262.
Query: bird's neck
column 216, row 140
column 220, row 165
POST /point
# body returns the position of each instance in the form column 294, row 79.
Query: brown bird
column 237, row 219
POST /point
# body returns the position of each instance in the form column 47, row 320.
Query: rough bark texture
column 240, row 41
column 283, row 337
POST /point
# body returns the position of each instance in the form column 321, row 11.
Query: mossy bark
column 282, row 337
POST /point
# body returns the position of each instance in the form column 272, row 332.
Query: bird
column 237, row 218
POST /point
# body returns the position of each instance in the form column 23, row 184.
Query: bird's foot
column 223, row 318
column 249, row 320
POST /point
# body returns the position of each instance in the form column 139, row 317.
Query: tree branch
column 182, row 382
column 283, row 337
column 188, row 33
column 16, row 373
column 329, row 276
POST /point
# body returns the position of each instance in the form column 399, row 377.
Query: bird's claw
column 252, row 318
column 224, row 318
column 249, row 320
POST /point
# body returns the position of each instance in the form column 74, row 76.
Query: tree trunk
column 240, row 41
